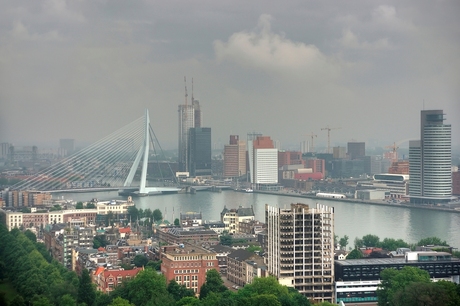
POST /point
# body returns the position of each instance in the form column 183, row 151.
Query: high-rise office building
column 199, row 151
column 263, row 160
column 189, row 117
column 356, row 149
column 339, row 152
column 301, row 248
column 430, row 162
column 66, row 146
column 235, row 157
column 4, row 150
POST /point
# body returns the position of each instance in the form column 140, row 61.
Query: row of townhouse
column 74, row 217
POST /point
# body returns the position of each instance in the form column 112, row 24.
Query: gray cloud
column 82, row 69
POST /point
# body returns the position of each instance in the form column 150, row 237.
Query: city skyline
column 81, row 70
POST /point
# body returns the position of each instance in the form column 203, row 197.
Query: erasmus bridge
column 110, row 163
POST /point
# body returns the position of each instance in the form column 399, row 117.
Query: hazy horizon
column 84, row 69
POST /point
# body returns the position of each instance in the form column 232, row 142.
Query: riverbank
column 368, row 202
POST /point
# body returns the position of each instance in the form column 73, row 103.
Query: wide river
column 352, row 219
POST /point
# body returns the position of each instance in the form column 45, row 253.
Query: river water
column 352, row 219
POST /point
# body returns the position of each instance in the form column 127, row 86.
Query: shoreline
column 357, row 201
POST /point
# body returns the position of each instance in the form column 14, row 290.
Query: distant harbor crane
column 312, row 141
column 329, row 137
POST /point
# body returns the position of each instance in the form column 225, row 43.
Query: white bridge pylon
column 144, row 154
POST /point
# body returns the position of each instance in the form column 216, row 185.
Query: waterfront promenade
column 455, row 208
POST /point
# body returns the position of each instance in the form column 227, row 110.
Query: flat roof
column 386, row 261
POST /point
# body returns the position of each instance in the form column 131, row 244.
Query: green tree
column 99, row 241
column 188, row 301
column 120, row 302
column 41, row 301
column 155, row 265
column 179, row 291
column 40, row 246
column 213, row 283
column 427, row 294
column 432, row 241
column 343, row 242
column 264, row 300
column 253, row 248
column 90, row 205
column 18, row 301
column 261, row 290
column 226, row 239
column 149, row 288
column 126, row 266
column 79, row 205
column 355, row 254
column 67, row 300
column 358, row 243
column 140, row 260
column 157, row 215
column 393, row 281
column 177, row 222
column 109, row 218
column 32, row 237
column 148, row 214
column 392, row 244
column 133, row 213
column 86, row 290
column 371, row 240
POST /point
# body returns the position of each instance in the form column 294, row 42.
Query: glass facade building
column 430, row 161
column 199, row 152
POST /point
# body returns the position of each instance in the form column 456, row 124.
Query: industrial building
column 357, row 279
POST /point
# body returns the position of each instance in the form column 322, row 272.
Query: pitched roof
column 99, row 270
column 240, row 255
column 124, row 230
column 122, row 273
column 243, row 211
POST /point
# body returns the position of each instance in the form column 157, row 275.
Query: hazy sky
column 83, row 69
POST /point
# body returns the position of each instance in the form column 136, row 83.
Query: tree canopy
column 393, row 281
column 214, row 283
column 157, row 215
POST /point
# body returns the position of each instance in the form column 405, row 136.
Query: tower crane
column 312, row 142
column 185, row 135
column 329, row 136
column 394, row 153
column 186, row 95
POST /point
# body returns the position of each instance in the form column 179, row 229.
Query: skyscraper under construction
column 189, row 117
column 301, row 248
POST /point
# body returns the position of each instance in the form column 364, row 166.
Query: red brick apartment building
column 456, row 183
column 187, row 264
column 107, row 280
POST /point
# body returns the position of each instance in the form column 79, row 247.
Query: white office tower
column 301, row 248
column 430, row 161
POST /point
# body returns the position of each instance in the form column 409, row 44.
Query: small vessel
column 248, row 190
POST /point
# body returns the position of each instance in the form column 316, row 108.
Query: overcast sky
column 83, row 69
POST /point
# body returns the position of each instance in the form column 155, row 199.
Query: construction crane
column 312, row 142
column 185, row 112
column 186, row 95
column 329, row 137
column 394, row 153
